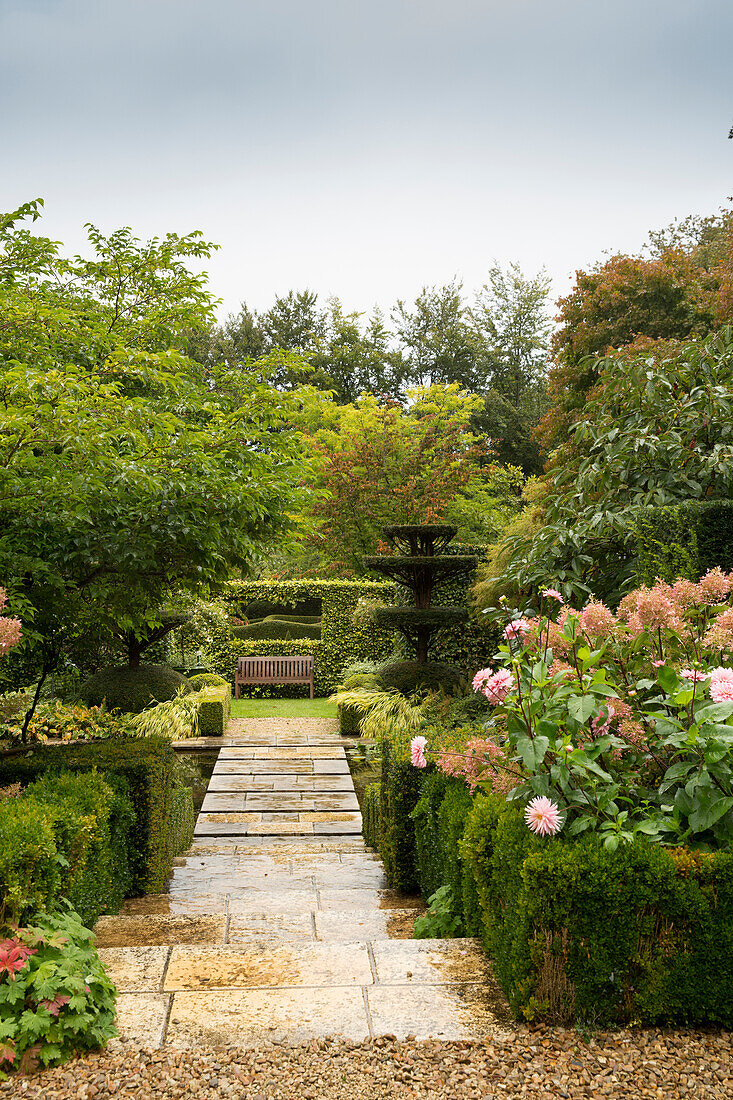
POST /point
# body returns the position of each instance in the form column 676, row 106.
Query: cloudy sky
column 366, row 148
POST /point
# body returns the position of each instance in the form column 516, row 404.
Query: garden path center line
column 278, row 925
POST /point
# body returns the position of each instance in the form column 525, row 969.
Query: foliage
column 57, row 721
column 659, row 431
column 205, row 679
column 370, row 811
column 214, row 709
column 131, row 690
column 183, row 820
column 176, row 718
column 55, row 997
column 65, row 836
column 399, row 790
column 342, row 639
column 384, row 714
column 637, row 935
column 381, row 464
column 148, row 767
column 685, row 540
column 10, row 628
column 440, row 921
column 625, row 724
column 127, row 472
column 276, row 628
column 408, row 677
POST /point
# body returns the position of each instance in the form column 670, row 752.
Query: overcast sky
column 366, row 148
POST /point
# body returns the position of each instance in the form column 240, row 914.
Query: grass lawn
column 283, row 708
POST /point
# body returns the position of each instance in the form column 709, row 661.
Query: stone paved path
column 278, row 925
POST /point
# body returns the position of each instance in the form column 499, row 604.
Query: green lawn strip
column 283, row 708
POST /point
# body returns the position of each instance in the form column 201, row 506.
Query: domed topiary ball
column 205, row 679
column 409, row 676
column 131, row 690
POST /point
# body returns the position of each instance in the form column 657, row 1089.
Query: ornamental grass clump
column 619, row 724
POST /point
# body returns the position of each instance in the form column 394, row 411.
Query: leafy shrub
column 214, row 709
column 176, row 719
column 205, row 679
column 399, row 791
column 131, row 690
column 441, row 920
column 31, row 872
column 55, row 997
column 92, row 819
column 371, row 816
column 684, row 540
column 148, row 766
column 69, row 722
column 410, row 676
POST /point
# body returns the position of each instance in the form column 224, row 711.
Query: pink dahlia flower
column 543, row 817
column 694, row 674
column 516, row 630
column 481, row 677
column 498, row 686
column 721, row 685
column 553, row 594
column 417, row 752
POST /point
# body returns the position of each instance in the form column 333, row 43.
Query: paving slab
column 272, row 901
column 156, row 929
column 141, row 1018
column 431, row 962
column 365, row 924
column 271, row 927
column 284, row 965
column 448, row 1012
column 331, row 767
column 264, row 1016
column 136, row 969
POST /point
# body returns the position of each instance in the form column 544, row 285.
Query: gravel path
column 536, row 1063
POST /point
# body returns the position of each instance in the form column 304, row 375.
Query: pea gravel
column 538, row 1063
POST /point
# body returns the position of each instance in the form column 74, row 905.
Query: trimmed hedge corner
column 147, row 765
column 214, row 710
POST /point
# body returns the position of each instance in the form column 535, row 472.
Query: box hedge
column 79, row 850
column 341, row 639
column 147, row 765
column 214, row 709
column 683, row 540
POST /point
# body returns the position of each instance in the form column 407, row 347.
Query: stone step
column 186, row 995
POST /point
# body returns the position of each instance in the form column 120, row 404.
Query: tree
column 659, row 431
column 126, row 472
column 439, row 339
column 381, row 464
column 512, row 319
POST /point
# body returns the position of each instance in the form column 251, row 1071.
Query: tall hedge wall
column 341, row 641
column 684, row 540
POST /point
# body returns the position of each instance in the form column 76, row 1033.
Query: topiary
column 131, row 690
column 277, row 628
column 205, row 679
column 409, row 676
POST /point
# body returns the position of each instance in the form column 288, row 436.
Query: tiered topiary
column 418, row 566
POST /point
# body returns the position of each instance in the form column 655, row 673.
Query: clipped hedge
column 79, row 850
column 148, row 767
column 371, row 816
column 683, row 540
column 276, row 628
column 399, row 791
column 341, row 640
column 214, row 710
column 131, row 690
column 205, row 679
column 183, row 820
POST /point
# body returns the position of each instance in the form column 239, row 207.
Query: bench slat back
column 274, row 668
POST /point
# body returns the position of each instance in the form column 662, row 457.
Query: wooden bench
column 273, row 670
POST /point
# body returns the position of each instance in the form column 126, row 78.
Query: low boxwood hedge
column 147, row 765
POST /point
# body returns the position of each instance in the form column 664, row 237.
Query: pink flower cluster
column 10, row 630
column 495, row 686
column 481, row 763
column 517, row 630
column 417, row 752
column 596, row 621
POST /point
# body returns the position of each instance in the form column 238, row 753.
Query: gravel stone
column 534, row 1063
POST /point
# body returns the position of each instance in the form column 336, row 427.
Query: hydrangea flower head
column 596, row 620
column 417, row 752
column 543, row 816
column 721, row 685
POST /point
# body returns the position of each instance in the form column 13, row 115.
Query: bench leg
column 236, row 689
column 311, row 687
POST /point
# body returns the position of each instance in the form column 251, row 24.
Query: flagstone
column 142, row 1017
column 434, row 1012
column 316, row 964
column 431, row 961
column 262, row 902
column 135, row 969
column 158, row 928
column 272, row 927
column 250, row 1017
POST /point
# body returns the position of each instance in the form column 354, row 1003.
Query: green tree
column 126, row 470
column 438, row 339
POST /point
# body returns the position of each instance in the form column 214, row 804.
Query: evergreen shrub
column 214, row 709
column 205, row 679
column 683, row 540
column 131, row 690
column 183, row 820
column 399, row 792
column 276, row 628
column 342, row 640
column 409, row 676
column 371, row 817
column 148, row 766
